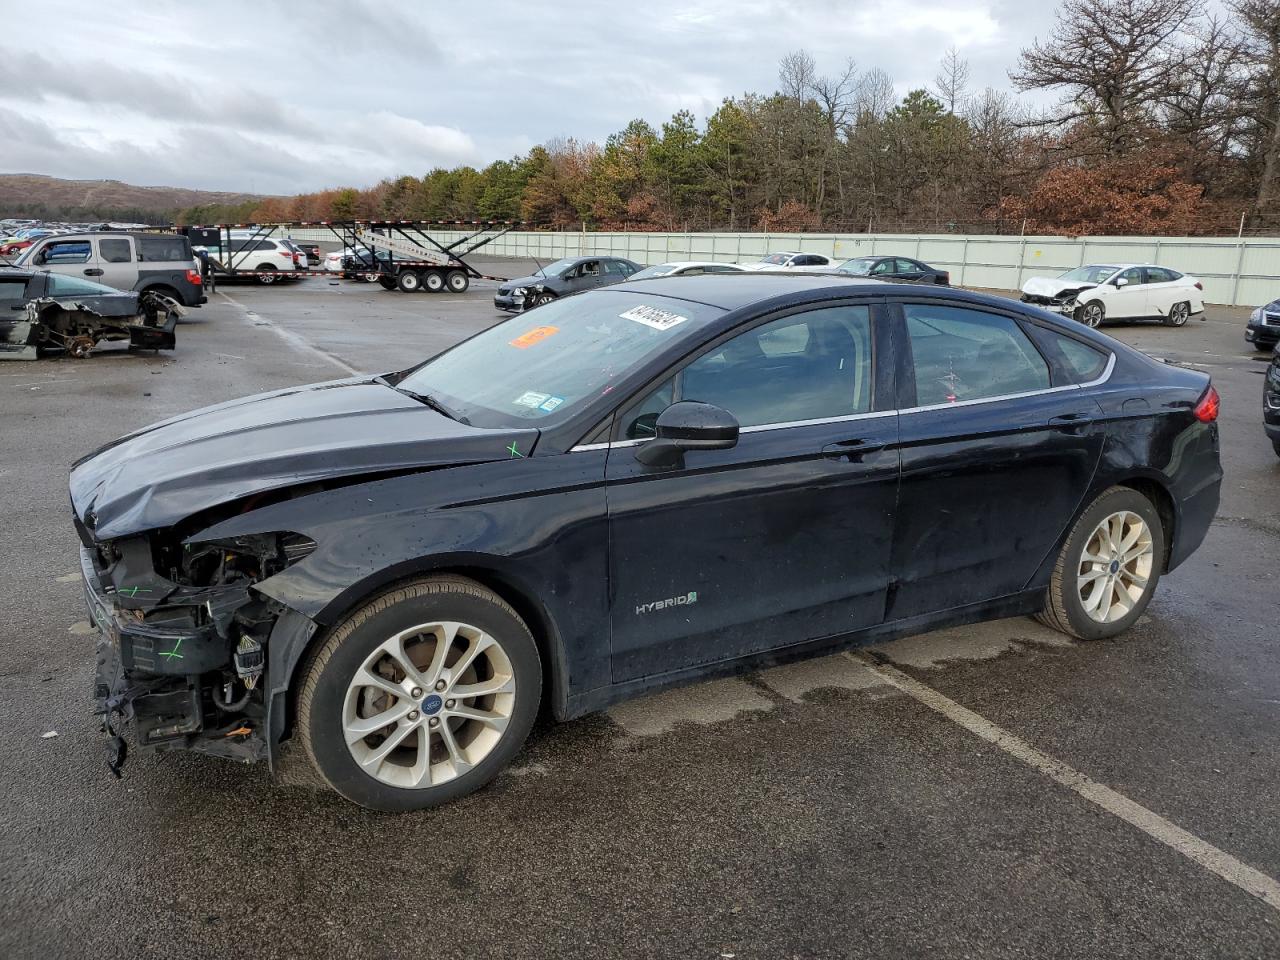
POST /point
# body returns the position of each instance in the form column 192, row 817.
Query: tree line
column 1167, row 121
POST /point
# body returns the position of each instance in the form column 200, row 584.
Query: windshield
column 776, row 258
column 661, row 270
column 555, row 359
column 860, row 266
column 1094, row 273
column 551, row 269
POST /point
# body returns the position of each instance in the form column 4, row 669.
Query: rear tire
column 1108, row 568
column 433, row 280
column 469, row 736
column 267, row 274
column 1179, row 313
column 409, row 282
column 457, row 281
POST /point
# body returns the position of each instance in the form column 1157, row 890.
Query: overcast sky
column 276, row 98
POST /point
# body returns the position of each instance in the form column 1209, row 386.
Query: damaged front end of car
column 1064, row 301
column 182, row 636
column 146, row 320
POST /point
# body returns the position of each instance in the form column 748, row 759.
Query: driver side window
column 806, row 366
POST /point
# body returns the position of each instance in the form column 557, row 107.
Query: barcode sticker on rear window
column 653, row 317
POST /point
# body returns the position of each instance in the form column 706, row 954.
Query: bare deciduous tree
column 1260, row 91
column 952, row 81
column 1114, row 59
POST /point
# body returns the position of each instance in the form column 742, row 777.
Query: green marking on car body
column 514, row 450
column 173, row 654
column 133, row 591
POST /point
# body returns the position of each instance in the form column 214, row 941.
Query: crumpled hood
column 530, row 281
column 166, row 472
column 1052, row 286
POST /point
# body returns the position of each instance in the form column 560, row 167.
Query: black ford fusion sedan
column 638, row 487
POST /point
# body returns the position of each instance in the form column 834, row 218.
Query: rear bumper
column 1195, row 514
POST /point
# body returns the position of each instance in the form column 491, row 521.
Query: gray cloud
column 283, row 98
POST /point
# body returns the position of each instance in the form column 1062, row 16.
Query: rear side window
column 1161, row 275
column 962, row 354
column 1081, row 362
column 115, row 250
column 162, row 248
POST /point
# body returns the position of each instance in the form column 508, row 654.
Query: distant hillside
column 31, row 195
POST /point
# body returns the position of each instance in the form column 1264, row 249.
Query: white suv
column 268, row 256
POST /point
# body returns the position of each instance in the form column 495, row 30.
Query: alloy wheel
column 428, row 704
column 1115, row 566
column 1092, row 314
column 1179, row 313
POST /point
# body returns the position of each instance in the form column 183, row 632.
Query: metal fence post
column 1235, row 283
column 964, row 259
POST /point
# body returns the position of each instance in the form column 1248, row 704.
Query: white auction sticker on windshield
column 653, row 317
column 531, row 398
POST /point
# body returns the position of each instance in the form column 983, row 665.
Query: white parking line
column 288, row 336
column 1252, row 881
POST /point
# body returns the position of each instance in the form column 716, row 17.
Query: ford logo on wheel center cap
column 432, row 704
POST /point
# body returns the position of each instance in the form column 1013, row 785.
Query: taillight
column 944, row 278
column 1199, row 286
column 1206, row 410
column 295, row 259
column 193, row 276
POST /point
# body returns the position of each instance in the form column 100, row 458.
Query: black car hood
column 166, row 472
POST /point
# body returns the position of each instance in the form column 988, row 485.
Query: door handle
column 93, row 272
column 1069, row 422
column 852, row 450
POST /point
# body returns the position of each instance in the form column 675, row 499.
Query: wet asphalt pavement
column 815, row 810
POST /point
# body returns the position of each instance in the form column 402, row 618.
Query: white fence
column 1234, row 271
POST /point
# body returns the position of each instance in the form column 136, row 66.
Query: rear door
column 1163, row 290
column 998, row 448
column 115, row 259
column 781, row 539
column 908, row 269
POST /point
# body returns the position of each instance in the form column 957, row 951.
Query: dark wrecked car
column 40, row 310
column 561, row 278
column 648, row 484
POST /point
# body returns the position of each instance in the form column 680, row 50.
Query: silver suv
column 162, row 262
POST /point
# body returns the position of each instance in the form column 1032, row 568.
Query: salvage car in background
column 159, row 262
column 563, row 277
column 1263, row 329
column 685, row 268
column 1127, row 291
column 1271, row 402
column 810, row 262
column 637, row 487
column 894, row 268
column 40, row 310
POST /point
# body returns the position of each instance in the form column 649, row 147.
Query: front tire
column 1179, row 313
column 1108, row 569
column 543, row 298
column 1092, row 314
column 266, row 274
column 420, row 696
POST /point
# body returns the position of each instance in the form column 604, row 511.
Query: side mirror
column 688, row 425
column 1120, row 282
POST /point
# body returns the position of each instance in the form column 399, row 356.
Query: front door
column 781, row 539
column 1129, row 299
column 995, row 460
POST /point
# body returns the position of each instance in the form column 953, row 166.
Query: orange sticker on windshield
column 533, row 336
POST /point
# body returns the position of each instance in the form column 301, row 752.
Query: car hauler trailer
column 398, row 254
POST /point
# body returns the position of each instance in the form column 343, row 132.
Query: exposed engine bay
column 147, row 320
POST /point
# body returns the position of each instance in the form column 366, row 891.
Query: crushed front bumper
column 151, row 678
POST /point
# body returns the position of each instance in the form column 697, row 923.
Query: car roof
column 680, row 264
column 729, row 291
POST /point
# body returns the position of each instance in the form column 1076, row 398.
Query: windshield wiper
column 429, row 401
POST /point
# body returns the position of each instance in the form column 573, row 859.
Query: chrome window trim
column 1098, row 381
